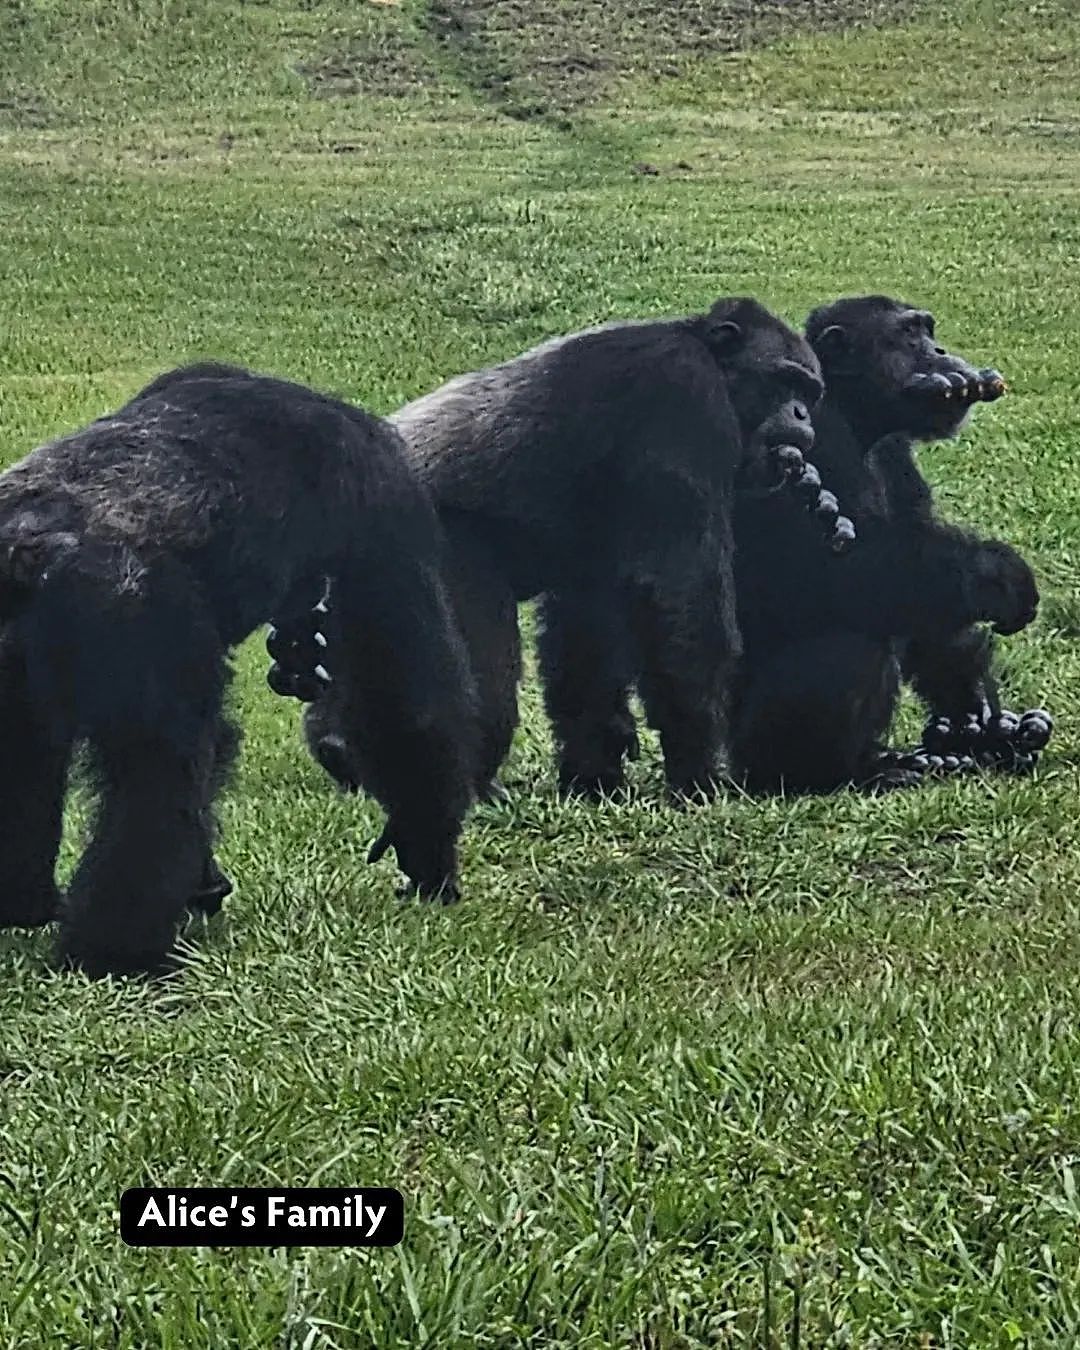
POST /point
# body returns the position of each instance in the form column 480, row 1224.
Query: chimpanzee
column 134, row 555
column 823, row 659
column 826, row 641
column 601, row 467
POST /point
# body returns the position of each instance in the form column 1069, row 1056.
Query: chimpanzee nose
column 800, row 412
column 940, row 351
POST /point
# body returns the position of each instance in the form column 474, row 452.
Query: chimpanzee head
column 774, row 379
column 885, row 372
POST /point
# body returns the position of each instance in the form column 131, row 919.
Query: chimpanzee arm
column 931, row 583
column 953, row 676
column 914, row 577
column 402, row 699
column 950, row 672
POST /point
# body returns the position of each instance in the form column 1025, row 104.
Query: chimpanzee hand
column 213, row 892
column 292, row 684
column 768, row 470
column 972, row 386
column 428, row 863
column 298, row 650
column 1002, row 590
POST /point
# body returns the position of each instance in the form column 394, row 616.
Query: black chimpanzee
column 826, row 640
column 601, row 467
column 134, row 555
column 825, row 649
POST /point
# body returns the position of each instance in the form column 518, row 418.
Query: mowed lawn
column 753, row 1074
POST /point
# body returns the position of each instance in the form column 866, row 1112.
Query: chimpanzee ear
column 833, row 346
column 724, row 337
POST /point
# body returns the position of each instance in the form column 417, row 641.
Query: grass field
column 793, row 1074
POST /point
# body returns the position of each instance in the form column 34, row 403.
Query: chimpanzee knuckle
column 843, row 535
column 283, row 682
column 991, row 384
column 808, row 484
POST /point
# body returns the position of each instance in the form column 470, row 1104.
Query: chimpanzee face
column 774, row 378
column 883, row 365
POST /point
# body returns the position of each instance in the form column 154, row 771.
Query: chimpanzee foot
column 98, row 954
column 908, row 768
column 446, row 894
column 695, row 789
column 890, row 779
column 1002, row 741
column 211, row 896
column 592, row 766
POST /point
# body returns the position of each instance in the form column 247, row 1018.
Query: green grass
column 765, row 1075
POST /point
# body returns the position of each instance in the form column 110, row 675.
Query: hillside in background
column 546, row 58
column 529, row 58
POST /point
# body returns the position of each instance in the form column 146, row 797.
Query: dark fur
column 828, row 640
column 600, row 468
column 824, row 659
column 134, row 555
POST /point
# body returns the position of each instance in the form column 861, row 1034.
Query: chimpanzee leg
column 36, row 744
column 812, row 717
column 587, row 668
column 145, row 670
column 487, row 617
column 147, row 857
column 689, row 643
column 216, row 886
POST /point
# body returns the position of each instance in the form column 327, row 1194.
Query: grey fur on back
column 496, row 438
column 432, row 422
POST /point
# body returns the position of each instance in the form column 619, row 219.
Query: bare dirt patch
column 546, row 58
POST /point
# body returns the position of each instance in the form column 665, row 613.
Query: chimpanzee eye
column 802, row 383
column 810, row 391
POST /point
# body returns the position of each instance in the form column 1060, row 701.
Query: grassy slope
column 733, row 1076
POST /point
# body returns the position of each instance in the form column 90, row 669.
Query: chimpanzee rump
column 826, row 641
column 134, row 555
column 601, row 467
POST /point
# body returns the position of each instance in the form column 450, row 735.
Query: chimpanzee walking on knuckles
column 603, row 467
column 134, row 555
